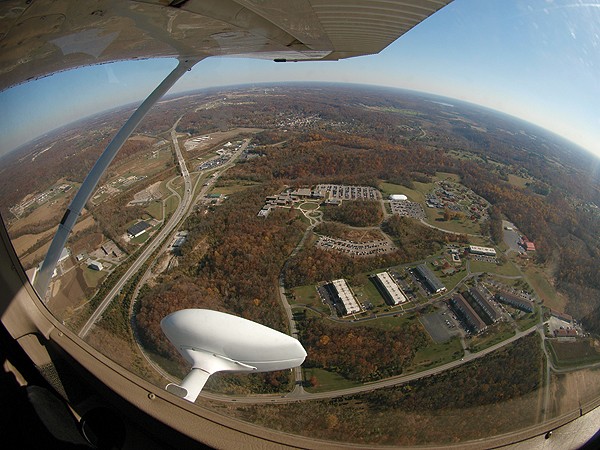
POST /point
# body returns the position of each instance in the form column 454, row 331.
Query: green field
column 450, row 281
column 528, row 320
column 467, row 226
column 496, row 333
column 326, row 381
column 309, row 206
column 232, row 186
column 518, row 181
column 506, row 269
column 572, row 354
column 171, row 205
column 367, row 292
column 306, row 295
column 436, row 354
column 391, row 188
column 155, row 209
column 539, row 282
column 93, row 277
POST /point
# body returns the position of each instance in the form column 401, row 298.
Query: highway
column 179, row 214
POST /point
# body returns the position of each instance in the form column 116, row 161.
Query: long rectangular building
column 467, row 313
column 433, row 282
column 513, row 300
column 477, row 250
column 485, row 304
column 343, row 297
column 389, row 289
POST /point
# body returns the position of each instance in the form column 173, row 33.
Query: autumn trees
column 359, row 353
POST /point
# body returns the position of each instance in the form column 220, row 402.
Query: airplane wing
column 46, row 36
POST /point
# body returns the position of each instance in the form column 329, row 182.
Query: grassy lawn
column 327, row 381
column 306, row 295
column 507, row 269
column 527, row 320
column 450, row 281
column 93, row 277
column 171, row 205
column 155, row 209
column 493, row 335
column 480, row 240
column 436, row 354
column 572, row 354
column 539, row 282
column 517, row 180
column 232, row 186
column 465, row 225
column 367, row 292
column 391, row 188
column 387, row 322
column 309, row 206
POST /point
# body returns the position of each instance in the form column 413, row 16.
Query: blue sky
column 535, row 59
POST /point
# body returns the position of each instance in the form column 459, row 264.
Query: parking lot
column 441, row 325
column 356, row 248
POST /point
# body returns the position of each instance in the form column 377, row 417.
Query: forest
column 359, row 353
column 356, row 213
column 230, row 262
column 475, row 400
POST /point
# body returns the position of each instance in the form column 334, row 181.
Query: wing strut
column 42, row 278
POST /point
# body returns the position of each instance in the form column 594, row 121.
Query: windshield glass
column 424, row 221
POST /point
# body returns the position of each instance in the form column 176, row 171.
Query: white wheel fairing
column 212, row 341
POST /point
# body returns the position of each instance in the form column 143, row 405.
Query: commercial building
column 95, row 265
column 433, row 283
column 490, row 310
column 487, row 251
column 398, row 197
column 391, row 292
column 343, row 297
column 529, row 246
column 467, row 313
column 138, row 229
column 513, row 300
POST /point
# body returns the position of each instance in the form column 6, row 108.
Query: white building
column 488, row 251
column 390, row 289
column 398, row 197
column 95, row 265
column 345, row 295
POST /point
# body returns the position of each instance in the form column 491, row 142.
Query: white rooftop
column 392, row 288
column 345, row 294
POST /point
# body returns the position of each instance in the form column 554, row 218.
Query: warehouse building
column 388, row 288
column 343, row 298
column 138, row 229
column 467, row 313
column 433, row 283
column 513, row 300
column 490, row 310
